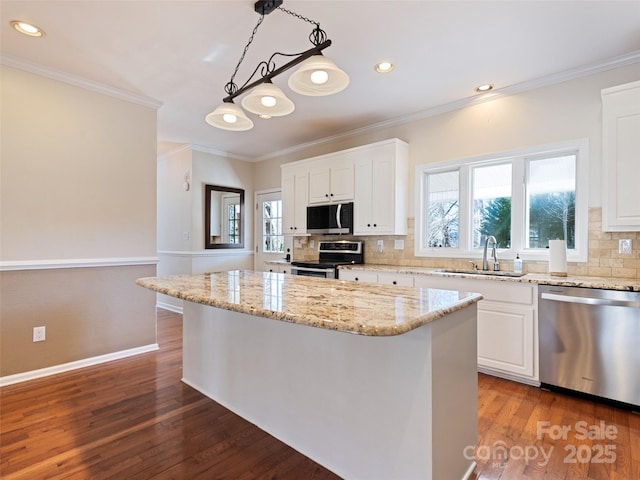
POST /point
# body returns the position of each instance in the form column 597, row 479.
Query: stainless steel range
column 331, row 255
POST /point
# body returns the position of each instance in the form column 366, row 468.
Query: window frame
column 519, row 160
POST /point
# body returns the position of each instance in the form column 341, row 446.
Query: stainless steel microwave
column 336, row 218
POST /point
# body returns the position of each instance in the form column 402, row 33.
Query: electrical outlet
column 624, row 246
column 398, row 244
column 185, row 235
column 380, row 246
column 39, row 334
column 312, row 243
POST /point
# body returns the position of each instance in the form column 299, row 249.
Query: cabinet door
column 342, row 183
column 288, row 203
column 295, row 196
column 506, row 338
column 358, row 275
column 300, row 202
column 620, row 151
column 383, row 195
column 362, row 206
column 319, row 185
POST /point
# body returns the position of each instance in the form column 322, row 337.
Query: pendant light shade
column 229, row 116
column 268, row 100
column 318, row 76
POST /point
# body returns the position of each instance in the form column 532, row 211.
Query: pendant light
column 268, row 100
column 318, row 76
column 229, row 116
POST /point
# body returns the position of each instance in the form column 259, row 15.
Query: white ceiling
column 183, row 52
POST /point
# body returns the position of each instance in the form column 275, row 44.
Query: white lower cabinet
column 277, row 267
column 507, row 319
column 358, row 275
column 506, row 338
column 400, row 279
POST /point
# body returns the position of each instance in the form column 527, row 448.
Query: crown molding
column 548, row 80
column 77, row 81
column 220, row 153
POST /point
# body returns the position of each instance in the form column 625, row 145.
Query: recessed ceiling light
column 484, row 88
column 384, row 67
column 27, row 28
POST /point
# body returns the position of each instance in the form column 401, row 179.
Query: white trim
column 8, row 266
column 534, row 382
column 179, row 148
column 75, row 80
column 205, row 253
column 470, row 470
column 220, row 153
column 66, row 367
column 169, row 307
column 567, row 75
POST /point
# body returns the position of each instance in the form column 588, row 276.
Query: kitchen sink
column 491, row 273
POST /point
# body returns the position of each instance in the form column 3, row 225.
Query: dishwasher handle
column 589, row 300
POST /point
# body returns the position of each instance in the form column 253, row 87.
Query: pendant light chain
column 231, row 87
column 317, row 36
column 298, row 16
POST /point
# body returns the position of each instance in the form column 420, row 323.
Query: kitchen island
column 370, row 382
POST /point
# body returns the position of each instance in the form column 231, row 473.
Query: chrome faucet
column 485, row 262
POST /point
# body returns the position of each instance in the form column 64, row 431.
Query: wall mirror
column 223, row 217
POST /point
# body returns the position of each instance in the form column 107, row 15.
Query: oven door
column 314, row 272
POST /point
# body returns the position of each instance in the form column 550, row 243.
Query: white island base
column 400, row 407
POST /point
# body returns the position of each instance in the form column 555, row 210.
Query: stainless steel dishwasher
column 590, row 341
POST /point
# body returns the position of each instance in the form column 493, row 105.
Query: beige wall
column 181, row 211
column 78, row 186
column 565, row 111
column 78, row 172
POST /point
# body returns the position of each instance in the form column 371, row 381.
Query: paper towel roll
column 558, row 258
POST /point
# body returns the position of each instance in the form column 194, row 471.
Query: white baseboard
column 507, row 376
column 65, row 367
column 469, row 471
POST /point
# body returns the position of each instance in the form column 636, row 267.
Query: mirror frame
column 207, row 217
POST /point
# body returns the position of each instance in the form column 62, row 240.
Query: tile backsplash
column 603, row 260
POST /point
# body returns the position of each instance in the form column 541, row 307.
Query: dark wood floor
column 134, row 419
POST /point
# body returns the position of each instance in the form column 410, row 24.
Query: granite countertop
column 364, row 309
column 626, row 284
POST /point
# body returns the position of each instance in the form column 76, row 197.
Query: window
column 492, row 204
column 273, row 240
column 523, row 198
column 442, row 214
column 551, row 201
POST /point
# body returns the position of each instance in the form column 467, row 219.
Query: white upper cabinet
column 295, row 196
column 374, row 177
column 331, row 179
column 381, row 184
column 620, row 153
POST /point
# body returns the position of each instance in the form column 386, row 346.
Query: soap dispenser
column 517, row 264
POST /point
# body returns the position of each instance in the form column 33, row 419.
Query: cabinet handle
column 326, row 195
column 271, row 269
column 290, row 228
column 368, row 224
column 356, row 279
column 295, row 228
column 375, row 224
column 395, row 283
column 331, row 194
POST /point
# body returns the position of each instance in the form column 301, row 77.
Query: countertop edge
column 358, row 329
column 605, row 283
